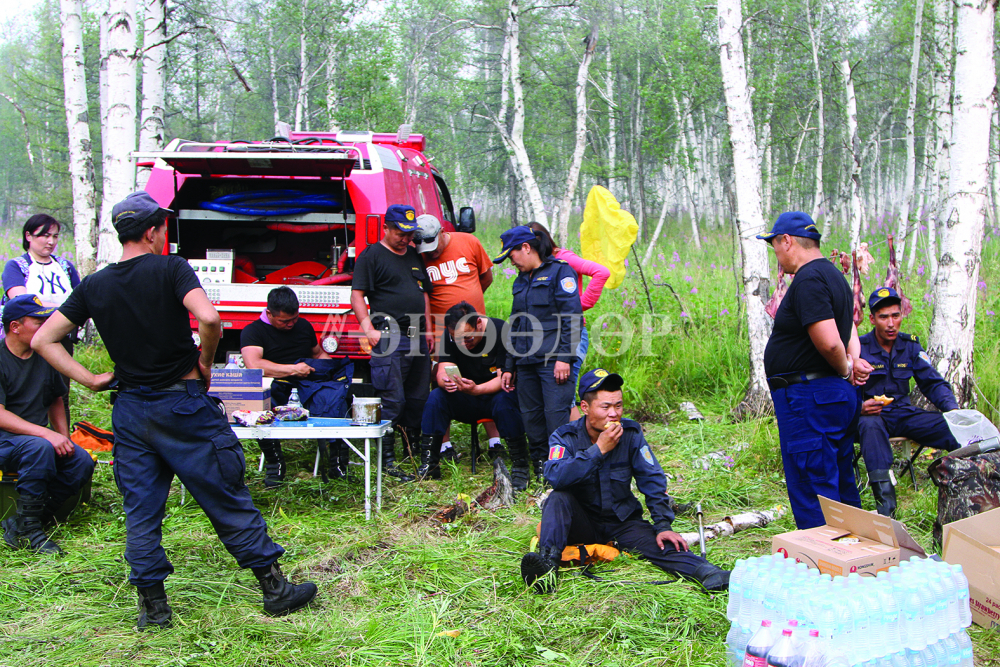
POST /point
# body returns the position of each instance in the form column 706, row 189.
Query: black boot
column 540, row 570
column 274, row 463
column 280, row 595
column 430, row 457
column 539, row 466
column 496, row 452
column 337, row 460
column 518, row 448
column 24, row 530
column 712, row 577
column 389, row 466
column 884, row 492
column 153, row 607
column 411, row 442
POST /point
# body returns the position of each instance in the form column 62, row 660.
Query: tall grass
column 389, row 587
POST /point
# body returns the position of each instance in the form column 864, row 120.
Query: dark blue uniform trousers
column 401, row 379
column 40, row 471
column 545, row 404
column 902, row 421
column 159, row 434
column 442, row 407
column 816, row 425
column 565, row 521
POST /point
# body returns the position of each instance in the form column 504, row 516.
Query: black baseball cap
column 883, row 296
column 129, row 214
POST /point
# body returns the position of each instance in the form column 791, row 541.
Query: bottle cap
column 814, row 633
column 793, row 623
column 787, row 632
column 765, row 624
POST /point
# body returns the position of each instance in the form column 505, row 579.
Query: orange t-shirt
column 455, row 274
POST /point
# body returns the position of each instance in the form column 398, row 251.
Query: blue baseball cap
column 24, row 305
column 793, row 223
column 129, row 214
column 513, row 238
column 600, row 379
column 883, row 296
column 402, row 217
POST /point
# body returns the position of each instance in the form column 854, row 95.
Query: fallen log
column 736, row 523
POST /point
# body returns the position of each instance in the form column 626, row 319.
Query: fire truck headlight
column 330, row 345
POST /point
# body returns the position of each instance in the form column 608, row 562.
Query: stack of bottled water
column 913, row 615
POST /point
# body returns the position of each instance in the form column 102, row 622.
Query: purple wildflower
column 724, row 311
column 683, row 314
column 656, row 276
column 694, row 290
column 990, row 313
column 509, row 272
column 688, row 279
column 626, row 263
column 927, row 297
column 920, row 270
column 662, row 258
column 604, row 326
column 671, row 267
column 713, row 265
column 677, row 256
column 982, row 285
column 687, row 264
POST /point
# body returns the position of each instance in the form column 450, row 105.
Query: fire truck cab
column 297, row 212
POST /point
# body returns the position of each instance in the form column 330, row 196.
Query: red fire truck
column 294, row 211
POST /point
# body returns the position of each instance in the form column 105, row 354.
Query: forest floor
column 389, row 587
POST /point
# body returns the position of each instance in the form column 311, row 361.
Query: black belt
column 180, row 385
column 783, row 381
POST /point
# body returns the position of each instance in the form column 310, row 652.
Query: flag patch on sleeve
column 646, row 454
column 556, row 452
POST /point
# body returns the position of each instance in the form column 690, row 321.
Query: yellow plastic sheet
column 607, row 233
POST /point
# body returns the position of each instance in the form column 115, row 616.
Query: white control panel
column 211, row 271
column 239, row 297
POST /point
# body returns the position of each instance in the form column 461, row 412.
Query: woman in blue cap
column 541, row 336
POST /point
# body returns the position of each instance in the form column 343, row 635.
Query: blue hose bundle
column 271, row 202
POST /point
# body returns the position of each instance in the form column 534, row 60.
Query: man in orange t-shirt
column 460, row 269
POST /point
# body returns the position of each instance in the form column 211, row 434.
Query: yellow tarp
column 607, row 233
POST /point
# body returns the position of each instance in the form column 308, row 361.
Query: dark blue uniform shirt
column 551, row 295
column 892, row 373
column 602, row 483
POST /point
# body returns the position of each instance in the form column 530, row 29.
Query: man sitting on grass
column 34, row 435
column 591, row 465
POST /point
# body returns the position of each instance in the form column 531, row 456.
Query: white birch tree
column 573, row 176
column 154, row 66
column 815, row 26
column 119, row 128
column 81, row 157
column 911, row 150
column 853, row 153
column 953, row 322
column 749, row 217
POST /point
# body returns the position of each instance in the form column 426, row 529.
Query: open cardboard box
column 241, row 389
column 974, row 543
column 852, row 540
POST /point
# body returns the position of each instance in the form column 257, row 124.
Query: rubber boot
column 337, row 458
column 540, row 570
column 411, row 442
column 280, row 595
column 884, row 492
column 153, row 607
column 389, row 466
column 539, row 466
column 274, row 463
column 24, row 530
column 430, row 457
column 496, row 452
column 712, row 577
column 518, row 448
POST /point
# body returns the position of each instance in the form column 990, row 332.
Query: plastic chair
column 907, row 447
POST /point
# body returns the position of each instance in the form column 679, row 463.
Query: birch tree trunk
column 815, row 30
column 943, row 122
column 273, row 71
column 953, row 321
column 854, row 157
column 119, row 129
column 689, row 166
column 750, row 220
column 154, row 65
column 332, row 92
column 300, row 96
column 659, row 223
column 573, row 177
column 81, row 158
column 911, row 149
column 610, row 84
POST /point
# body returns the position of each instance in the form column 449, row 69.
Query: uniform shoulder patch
column 646, row 454
column 568, row 285
column 923, row 355
column 556, row 452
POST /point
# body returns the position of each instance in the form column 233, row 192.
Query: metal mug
column 366, row 410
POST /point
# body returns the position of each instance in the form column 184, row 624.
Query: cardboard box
column 974, row 543
column 852, row 540
column 238, row 377
column 242, row 398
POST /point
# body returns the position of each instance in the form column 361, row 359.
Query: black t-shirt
column 394, row 284
column 28, row 386
column 818, row 292
column 137, row 306
column 280, row 346
column 479, row 364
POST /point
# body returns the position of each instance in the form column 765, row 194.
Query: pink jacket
column 598, row 273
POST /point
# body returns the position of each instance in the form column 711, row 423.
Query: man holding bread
column 886, row 412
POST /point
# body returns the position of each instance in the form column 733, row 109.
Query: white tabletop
column 314, row 427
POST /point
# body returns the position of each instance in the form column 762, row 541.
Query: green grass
column 389, row 586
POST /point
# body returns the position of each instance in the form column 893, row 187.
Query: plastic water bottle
column 962, row 584
column 965, row 644
column 732, row 640
column 758, row 590
column 861, row 649
column 844, row 639
column 915, row 658
column 898, row 659
column 293, row 399
column 912, row 621
column 890, row 614
column 928, row 608
column 951, row 589
column 759, row 646
column 940, row 655
column 812, row 651
column 736, row 590
column 783, row 653
column 940, row 592
column 746, row 596
column 952, row 650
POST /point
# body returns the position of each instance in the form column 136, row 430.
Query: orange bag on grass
column 583, row 554
column 92, row 438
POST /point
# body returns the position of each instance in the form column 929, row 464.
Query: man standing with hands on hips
column 165, row 424
column 391, row 275
column 812, row 361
